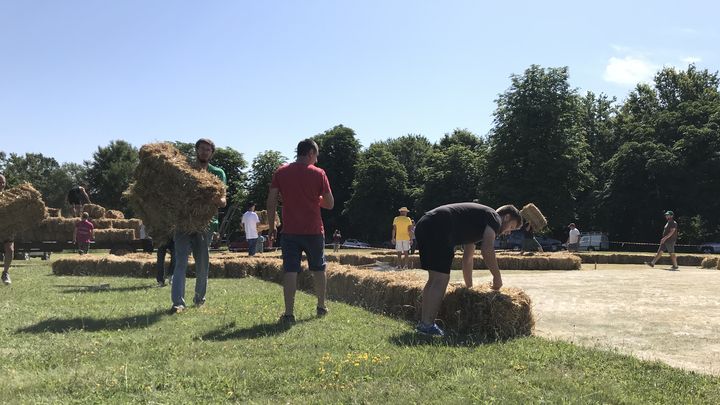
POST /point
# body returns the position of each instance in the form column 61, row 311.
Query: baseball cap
column 571, row 224
column 669, row 213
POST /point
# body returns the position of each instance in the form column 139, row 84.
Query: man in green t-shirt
column 669, row 238
column 197, row 242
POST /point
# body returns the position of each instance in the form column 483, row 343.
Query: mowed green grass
column 62, row 342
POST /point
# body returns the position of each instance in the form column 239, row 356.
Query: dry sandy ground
column 655, row 314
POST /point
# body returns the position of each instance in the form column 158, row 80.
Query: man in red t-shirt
column 304, row 189
column 84, row 231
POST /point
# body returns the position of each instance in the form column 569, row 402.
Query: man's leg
column 671, row 249
column 182, row 251
column 433, row 294
column 289, row 289
column 252, row 246
column 658, row 255
column 291, row 255
column 315, row 250
column 200, row 242
column 160, row 266
column 9, row 253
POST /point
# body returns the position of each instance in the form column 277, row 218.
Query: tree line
column 607, row 165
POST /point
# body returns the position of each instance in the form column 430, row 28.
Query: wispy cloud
column 691, row 59
column 629, row 70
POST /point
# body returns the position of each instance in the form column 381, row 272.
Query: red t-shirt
column 83, row 229
column 301, row 187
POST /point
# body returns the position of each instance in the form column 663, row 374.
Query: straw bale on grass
column 169, row 194
column 76, row 266
column 114, row 214
column 21, row 208
column 114, row 235
column 532, row 214
column 709, row 263
column 95, row 211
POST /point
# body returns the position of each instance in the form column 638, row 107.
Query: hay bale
column 114, row 235
column 76, row 266
column 169, row 194
column 50, row 229
column 21, row 208
column 264, row 224
column 709, row 263
column 532, row 214
column 95, row 211
column 132, row 223
column 102, row 223
column 486, row 314
column 114, row 214
column 53, row 212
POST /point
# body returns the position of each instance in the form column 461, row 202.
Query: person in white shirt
column 250, row 221
column 573, row 244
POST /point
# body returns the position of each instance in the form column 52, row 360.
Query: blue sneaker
column 431, row 330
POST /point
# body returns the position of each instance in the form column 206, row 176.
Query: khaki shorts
column 669, row 247
column 402, row 245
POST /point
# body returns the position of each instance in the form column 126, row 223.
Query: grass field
column 65, row 342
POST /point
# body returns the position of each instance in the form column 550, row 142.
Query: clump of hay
column 264, row 224
column 95, row 211
column 114, row 235
column 54, row 212
column 709, row 263
column 638, row 258
column 487, row 314
column 532, row 214
column 169, row 194
column 114, row 214
column 21, row 208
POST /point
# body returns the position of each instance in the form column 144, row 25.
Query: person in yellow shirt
column 401, row 235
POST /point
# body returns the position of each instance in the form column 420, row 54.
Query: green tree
column 538, row 152
column 379, row 190
column 110, row 172
column 261, row 171
column 412, row 151
column 462, row 137
column 339, row 152
column 452, row 174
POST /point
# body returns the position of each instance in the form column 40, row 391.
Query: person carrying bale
column 8, row 246
column 529, row 243
column 197, row 242
column 401, row 231
column 305, row 189
column 77, row 198
column 667, row 243
column 83, row 234
column 437, row 234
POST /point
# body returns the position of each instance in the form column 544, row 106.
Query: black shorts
column 433, row 240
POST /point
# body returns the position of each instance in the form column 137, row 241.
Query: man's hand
column 392, row 241
column 497, row 282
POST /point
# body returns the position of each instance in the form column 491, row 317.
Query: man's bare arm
column 271, row 205
column 327, row 201
column 468, row 263
column 488, row 252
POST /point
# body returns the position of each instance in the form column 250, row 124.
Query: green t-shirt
column 220, row 173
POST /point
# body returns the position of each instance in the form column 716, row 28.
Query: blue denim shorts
column 293, row 247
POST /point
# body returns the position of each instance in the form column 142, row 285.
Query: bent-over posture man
column 443, row 228
column 8, row 246
column 304, row 189
column 667, row 243
column 77, row 197
column 198, row 242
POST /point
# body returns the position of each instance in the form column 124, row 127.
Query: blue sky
column 259, row 75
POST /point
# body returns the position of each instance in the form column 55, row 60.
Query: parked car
column 594, row 241
column 710, row 247
column 549, row 244
column 515, row 239
column 354, row 243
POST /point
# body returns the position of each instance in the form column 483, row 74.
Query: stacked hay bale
column 50, row 229
column 114, row 214
column 114, row 235
column 54, row 212
column 21, row 208
column 169, row 194
column 95, row 211
column 132, row 223
column 102, row 223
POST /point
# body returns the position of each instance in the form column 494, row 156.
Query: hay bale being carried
column 54, row 212
column 95, row 211
column 114, row 235
column 169, row 194
column 532, row 214
column 264, row 225
column 114, row 214
column 21, row 208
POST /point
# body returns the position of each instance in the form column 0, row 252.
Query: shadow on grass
column 55, row 325
column 72, row 289
column 228, row 332
column 415, row 339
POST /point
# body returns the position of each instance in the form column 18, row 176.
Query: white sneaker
column 6, row 278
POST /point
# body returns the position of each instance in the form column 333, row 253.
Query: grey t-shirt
column 668, row 228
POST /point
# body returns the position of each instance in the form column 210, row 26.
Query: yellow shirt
column 402, row 223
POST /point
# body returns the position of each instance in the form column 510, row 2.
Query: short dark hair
column 250, row 205
column 305, row 146
column 85, row 215
column 206, row 141
column 512, row 211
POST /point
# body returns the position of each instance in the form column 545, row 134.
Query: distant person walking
column 304, row 189
column 250, row 221
column 8, row 246
column 443, row 228
column 667, row 243
column 84, row 233
column 198, row 242
column 401, row 230
column 337, row 240
column 573, row 243
column 77, row 197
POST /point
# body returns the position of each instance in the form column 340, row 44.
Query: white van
column 594, row 241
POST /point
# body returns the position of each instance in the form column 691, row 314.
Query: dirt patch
column 654, row 314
